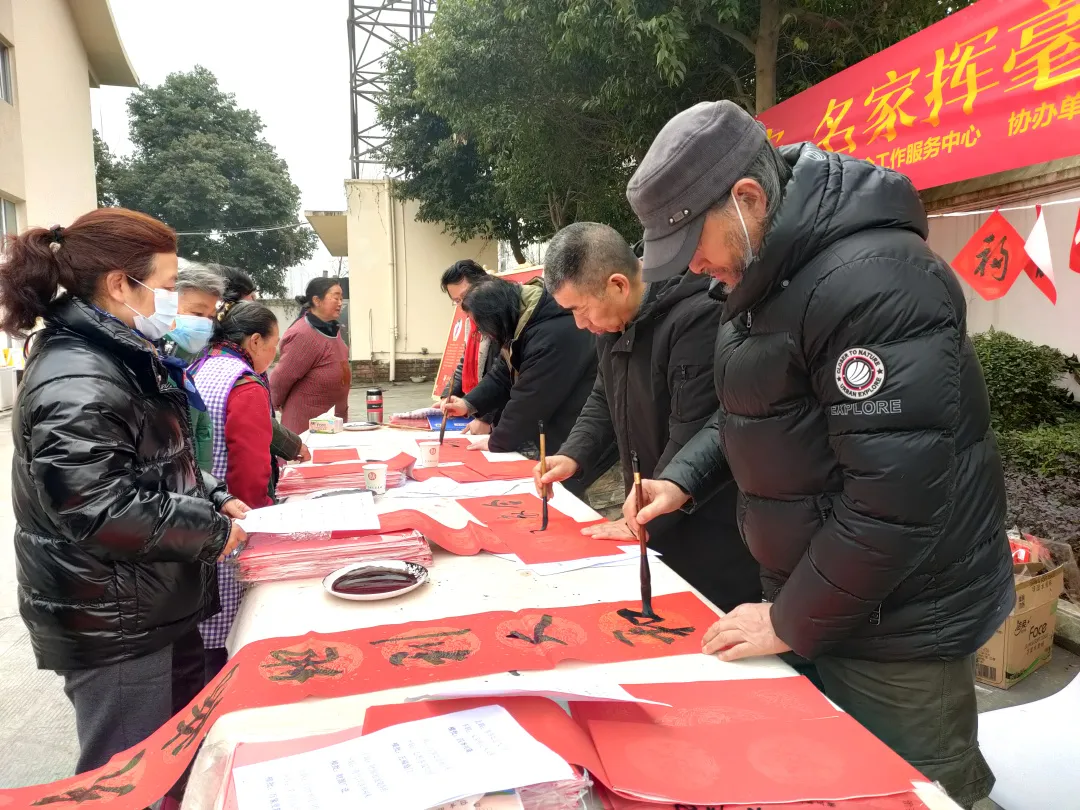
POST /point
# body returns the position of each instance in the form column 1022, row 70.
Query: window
column 7, row 92
column 8, row 222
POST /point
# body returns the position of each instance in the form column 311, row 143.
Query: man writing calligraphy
column 854, row 419
column 653, row 392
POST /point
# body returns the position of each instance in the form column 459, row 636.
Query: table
column 459, row 586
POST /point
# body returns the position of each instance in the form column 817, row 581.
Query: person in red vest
column 478, row 359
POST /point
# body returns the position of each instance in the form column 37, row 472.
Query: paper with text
column 412, row 766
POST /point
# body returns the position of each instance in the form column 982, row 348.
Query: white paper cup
column 429, row 454
column 375, row 478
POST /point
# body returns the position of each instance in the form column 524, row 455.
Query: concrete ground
column 37, row 726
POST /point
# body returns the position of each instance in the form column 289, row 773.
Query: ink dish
column 371, row 581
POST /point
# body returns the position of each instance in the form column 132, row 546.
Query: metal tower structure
column 377, row 29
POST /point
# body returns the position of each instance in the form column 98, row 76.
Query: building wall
column 1024, row 311
column 11, row 149
column 421, row 253
column 52, row 79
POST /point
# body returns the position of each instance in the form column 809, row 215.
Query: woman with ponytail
column 230, row 380
column 313, row 373
column 116, row 527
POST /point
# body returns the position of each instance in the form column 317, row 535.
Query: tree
column 201, row 165
column 105, row 170
column 452, row 180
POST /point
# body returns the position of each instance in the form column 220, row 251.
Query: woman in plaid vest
column 229, row 379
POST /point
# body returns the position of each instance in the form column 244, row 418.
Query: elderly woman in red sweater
column 313, row 373
column 229, row 379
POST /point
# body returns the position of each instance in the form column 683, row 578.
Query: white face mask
column 158, row 324
column 750, row 258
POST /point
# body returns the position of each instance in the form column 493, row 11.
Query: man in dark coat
column 653, row 392
column 853, row 417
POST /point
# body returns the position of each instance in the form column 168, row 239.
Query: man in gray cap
column 853, row 418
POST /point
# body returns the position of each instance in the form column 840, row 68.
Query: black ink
column 301, row 667
column 427, row 651
column 651, row 626
column 499, row 503
column 98, row 790
column 999, row 262
column 187, row 733
column 539, row 634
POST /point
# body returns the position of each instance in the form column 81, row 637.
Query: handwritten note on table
column 354, row 512
column 420, row 764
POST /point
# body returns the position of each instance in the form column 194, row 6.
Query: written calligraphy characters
column 429, row 647
column 538, row 632
column 993, row 259
column 190, row 730
column 304, row 662
column 631, row 627
column 103, row 787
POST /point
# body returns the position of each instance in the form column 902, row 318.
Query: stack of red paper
column 273, row 557
column 722, row 744
column 335, row 473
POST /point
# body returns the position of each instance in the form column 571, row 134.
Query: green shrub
column 1021, row 379
column 1048, row 450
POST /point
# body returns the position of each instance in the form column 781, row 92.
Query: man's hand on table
column 745, row 632
column 305, row 453
column 559, row 468
column 612, row 530
column 476, row 428
column 479, row 444
column 661, row 497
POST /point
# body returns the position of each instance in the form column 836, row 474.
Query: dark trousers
column 216, row 658
column 925, row 711
column 120, row 705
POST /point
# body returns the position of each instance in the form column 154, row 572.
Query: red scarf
column 470, row 365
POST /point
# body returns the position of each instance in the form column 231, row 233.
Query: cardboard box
column 1025, row 641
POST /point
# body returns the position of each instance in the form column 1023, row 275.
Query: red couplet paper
column 328, row 455
column 904, row 801
column 767, row 761
column 515, row 519
column 713, row 703
column 993, row 258
column 287, row 670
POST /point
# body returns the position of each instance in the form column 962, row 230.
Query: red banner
column 459, row 330
column 990, row 88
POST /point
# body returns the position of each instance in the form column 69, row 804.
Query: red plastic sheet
column 287, row 670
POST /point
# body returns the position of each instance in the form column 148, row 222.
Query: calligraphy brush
column 543, row 472
column 442, row 429
column 643, row 540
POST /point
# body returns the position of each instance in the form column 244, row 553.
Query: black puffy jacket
column 654, row 391
column 855, row 421
column 117, row 531
column 546, row 374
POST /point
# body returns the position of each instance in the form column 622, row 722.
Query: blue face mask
column 191, row 333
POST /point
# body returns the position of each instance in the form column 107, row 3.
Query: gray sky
column 287, row 60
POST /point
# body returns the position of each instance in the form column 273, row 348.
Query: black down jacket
column 654, row 392
column 855, row 421
column 117, row 531
column 545, row 374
